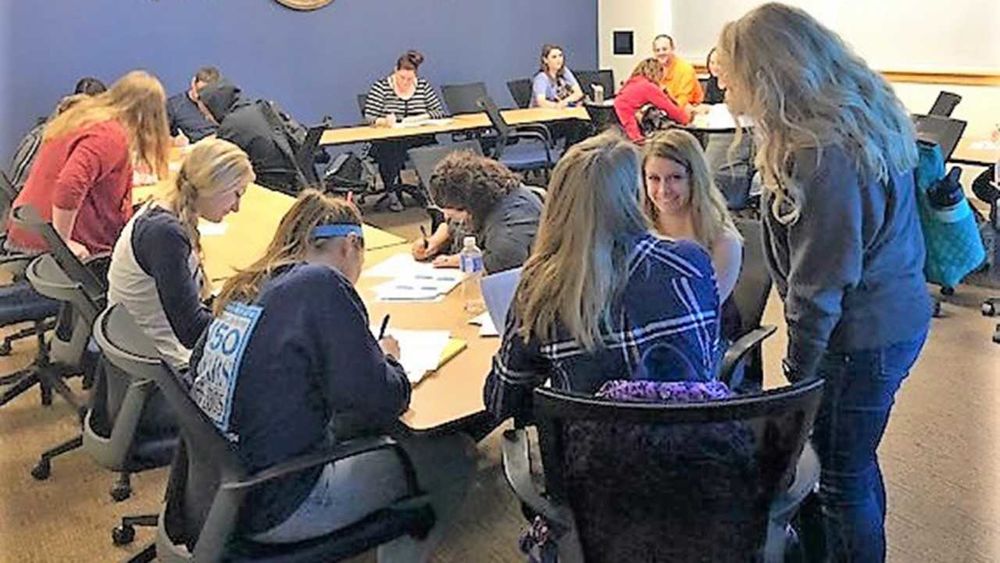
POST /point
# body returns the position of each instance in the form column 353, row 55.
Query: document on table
column 985, row 145
column 719, row 117
column 412, row 280
column 498, row 292
column 420, row 351
column 485, row 324
column 210, row 229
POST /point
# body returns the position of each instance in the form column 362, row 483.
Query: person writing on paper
column 156, row 267
column 554, row 86
column 400, row 95
column 679, row 80
column 600, row 290
column 836, row 149
column 81, row 180
column 488, row 201
column 642, row 92
column 190, row 120
column 306, row 364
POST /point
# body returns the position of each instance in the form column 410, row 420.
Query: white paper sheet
column 419, row 350
column 719, row 117
column 210, row 229
column 412, row 280
column 485, row 324
column 498, row 292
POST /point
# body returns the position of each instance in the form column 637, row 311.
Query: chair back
column 672, row 482
column 425, row 158
column 587, row 78
column 194, row 479
column 945, row 104
column 753, row 287
column 944, row 132
column 602, row 116
column 93, row 285
column 462, row 98
column 487, row 104
column 362, row 102
column 7, row 196
column 520, row 91
column 305, row 155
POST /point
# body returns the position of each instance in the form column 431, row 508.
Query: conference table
column 976, row 151
column 443, row 399
column 454, row 124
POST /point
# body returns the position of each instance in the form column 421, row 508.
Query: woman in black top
column 401, row 94
column 715, row 89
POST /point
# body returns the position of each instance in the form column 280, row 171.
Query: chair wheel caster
column 41, row 470
column 5, row 348
column 120, row 493
column 122, row 535
column 947, row 291
column 936, row 309
column 989, row 309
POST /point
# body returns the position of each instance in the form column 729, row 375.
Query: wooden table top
column 365, row 133
column 455, row 391
column 976, row 151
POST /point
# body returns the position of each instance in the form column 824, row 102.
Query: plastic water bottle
column 470, row 260
column 598, row 93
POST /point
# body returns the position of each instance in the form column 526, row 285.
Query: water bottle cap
column 469, row 242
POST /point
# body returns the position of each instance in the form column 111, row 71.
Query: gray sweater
column 850, row 270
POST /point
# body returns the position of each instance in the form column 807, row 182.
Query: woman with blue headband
column 288, row 359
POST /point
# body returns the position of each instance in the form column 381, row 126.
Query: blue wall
column 312, row 63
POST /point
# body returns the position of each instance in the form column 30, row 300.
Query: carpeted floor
column 941, row 457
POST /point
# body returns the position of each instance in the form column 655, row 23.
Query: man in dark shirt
column 187, row 115
column 246, row 124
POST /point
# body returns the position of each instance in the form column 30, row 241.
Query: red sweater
column 89, row 169
column 637, row 92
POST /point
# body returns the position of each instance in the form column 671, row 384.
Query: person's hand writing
column 390, row 346
column 421, row 250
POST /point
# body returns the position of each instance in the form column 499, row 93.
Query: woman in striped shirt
column 399, row 95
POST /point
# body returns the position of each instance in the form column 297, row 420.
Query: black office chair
column 753, row 288
column 362, row 102
column 602, row 117
column 208, row 482
column 944, row 104
column 54, row 360
column 14, row 264
column 462, row 98
column 626, row 481
column 944, row 132
column 520, row 91
column 587, row 78
column 520, row 149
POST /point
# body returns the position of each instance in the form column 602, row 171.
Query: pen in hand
column 385, row 325
column 423, row 233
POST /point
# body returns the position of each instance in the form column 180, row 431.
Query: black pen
column 423, row 233
column 385, row 325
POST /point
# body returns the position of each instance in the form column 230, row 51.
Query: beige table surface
column 365, row 133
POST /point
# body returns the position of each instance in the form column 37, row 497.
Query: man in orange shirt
column 679, row 80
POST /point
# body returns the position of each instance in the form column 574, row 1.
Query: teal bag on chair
column 951, row 236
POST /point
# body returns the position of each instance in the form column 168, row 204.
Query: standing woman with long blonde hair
column 82, row 177
column 156, row 267
column 599, row 290
column 842, row 238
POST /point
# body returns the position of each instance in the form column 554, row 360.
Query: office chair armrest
column 739, row 349
column 535, row 135
column 540, row 128
column 517, row 471
column 343, row 450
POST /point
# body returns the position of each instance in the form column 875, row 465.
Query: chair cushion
column 663, row 391
column 381, row 527
column 527, row 155
column 19, row 302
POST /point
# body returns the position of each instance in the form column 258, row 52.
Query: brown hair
column 90, row 86
column 410, row 60
column 207, row 74
column 664, row 36
column 649, row 68
column 291, row 241
column 470, row 182
column 138, row 102
column 546, row 49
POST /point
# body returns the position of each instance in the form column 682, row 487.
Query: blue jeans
column 859, row 393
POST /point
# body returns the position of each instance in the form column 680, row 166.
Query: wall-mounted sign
column 304, row 4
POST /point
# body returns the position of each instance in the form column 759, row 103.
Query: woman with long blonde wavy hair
column 600, row 290
column 842, row 239
column 82, row 177
column 157, row 268
column 290, row 365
